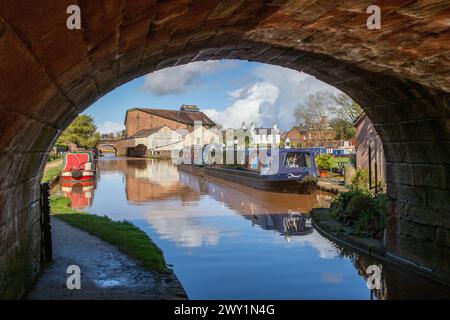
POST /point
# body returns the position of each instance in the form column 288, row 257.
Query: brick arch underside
column 43, row 90
column 105, row 145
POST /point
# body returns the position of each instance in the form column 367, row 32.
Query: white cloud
column 272, row 98
column 246, row 105
column 109, row 126
column 179, row 79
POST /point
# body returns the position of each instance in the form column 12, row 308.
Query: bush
column 360, row 180
column 324, row 161
column 363, row 211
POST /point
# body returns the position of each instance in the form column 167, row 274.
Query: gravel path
column 106, row 273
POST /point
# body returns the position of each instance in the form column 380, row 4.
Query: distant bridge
column 120, row 146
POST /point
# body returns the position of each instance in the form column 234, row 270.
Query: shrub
column 361, row 210
column 360, row 180
column 324, row 161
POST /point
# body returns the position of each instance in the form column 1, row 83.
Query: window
column 308, row 159
column 296, row 160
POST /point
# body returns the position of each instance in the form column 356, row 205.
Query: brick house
column 138, row 119
column 365, row 136
column 302, row 137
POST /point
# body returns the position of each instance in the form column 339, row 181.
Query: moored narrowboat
column 78, row 167
column 286, row 170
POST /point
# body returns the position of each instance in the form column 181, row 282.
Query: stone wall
column 399, row 74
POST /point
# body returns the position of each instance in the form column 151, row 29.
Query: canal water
column 226, row 241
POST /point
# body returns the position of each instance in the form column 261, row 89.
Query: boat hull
column 84, row 177
column 192, row 169
column 262, row 182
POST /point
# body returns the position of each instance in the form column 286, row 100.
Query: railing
column 45, row 222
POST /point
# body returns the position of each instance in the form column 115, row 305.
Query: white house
column 199, row 136
column 160, row 140
column 265, row 136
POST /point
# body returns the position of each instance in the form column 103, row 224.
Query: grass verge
column 51, row 174
column 125, row 236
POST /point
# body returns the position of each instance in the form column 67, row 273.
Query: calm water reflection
column 232, row 242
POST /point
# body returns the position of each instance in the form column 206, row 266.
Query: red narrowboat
column 78, row 167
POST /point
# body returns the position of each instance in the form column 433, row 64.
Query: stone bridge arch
column 120, row 145
column 107, row 145
column 399, row 74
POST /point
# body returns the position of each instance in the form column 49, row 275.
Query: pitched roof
column 186, row 117
column 146, row 132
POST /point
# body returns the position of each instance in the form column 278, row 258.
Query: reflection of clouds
column 316, row 241
column 333, row 278
column 184, row 227
column 159, row 172
column 185, row 233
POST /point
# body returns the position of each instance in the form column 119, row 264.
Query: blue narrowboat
column 285, row 170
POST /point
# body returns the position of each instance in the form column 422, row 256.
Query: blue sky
column 229, row 91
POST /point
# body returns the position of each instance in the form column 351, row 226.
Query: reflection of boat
column 287, row 224
column 78, row 167
column 249, row 201
column 81, row 194
column 289, row 170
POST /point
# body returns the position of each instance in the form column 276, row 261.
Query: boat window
column 308, row 159
column 296, row 160
column 254, row 163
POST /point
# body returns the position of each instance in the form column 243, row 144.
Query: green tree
column 346, row 112
column 82, row 132
column 342, row 129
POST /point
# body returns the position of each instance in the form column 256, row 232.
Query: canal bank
column 106, row 273
column 116, row 259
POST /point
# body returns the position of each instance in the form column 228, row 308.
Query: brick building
column 367, row 136
column 138, row 119
column 302, row 137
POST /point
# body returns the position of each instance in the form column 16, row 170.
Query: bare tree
column 324, row 108
column 345, row 108
column 313, row 115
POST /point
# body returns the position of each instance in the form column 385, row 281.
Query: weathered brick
column 439, row 199
column 400, row 173
column 443, row 237
column 429, row 175
column 429, row 216
column 409, row 194
column 420, row 231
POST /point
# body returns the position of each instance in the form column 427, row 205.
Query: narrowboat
column 78, row 167
column 286, row 170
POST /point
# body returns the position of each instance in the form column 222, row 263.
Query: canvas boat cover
column 81, row 160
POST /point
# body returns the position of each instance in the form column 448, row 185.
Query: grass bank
column 51, row 174
column 125, row 236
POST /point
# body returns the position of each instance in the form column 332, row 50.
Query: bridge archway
column 399, row 74
column 108, row 146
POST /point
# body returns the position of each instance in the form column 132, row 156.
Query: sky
column 228, row 91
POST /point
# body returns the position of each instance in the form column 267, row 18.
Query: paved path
column 106, row 273
column 53, row 164
column 331, row 185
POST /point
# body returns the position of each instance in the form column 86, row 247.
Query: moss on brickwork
column 19, row 274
